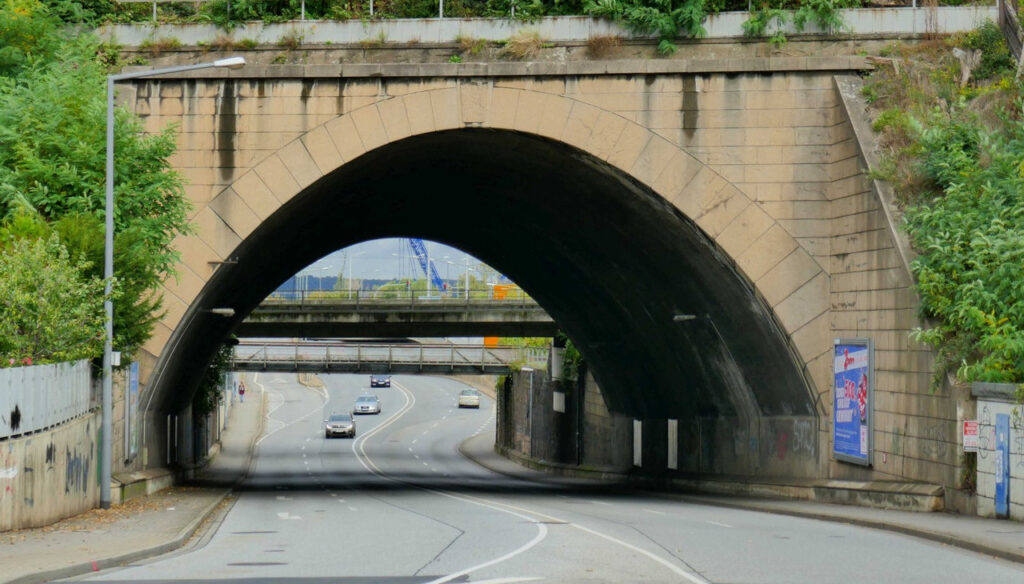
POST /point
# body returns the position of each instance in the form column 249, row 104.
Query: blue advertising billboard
column 852, row 402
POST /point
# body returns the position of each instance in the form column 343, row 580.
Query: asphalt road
column 399, row 504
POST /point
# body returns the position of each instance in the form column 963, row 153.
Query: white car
column 469, row 398
column 367, row 404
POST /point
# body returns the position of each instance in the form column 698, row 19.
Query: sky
column 385, row 259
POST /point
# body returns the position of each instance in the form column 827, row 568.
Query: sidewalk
column 143, row 526
column 1000, row 538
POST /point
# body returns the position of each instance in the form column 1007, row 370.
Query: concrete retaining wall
column 587, row 435
column 50, row 475
column 879, row 21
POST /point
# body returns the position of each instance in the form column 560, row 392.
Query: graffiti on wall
column 986, row 433
column 935, row 443
column 28, row 481
column 803, row 437
column 77, row 468
column 8, row 472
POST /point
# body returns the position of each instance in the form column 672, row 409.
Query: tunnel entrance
column 668, row 325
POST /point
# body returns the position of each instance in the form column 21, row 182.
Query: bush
column 50, row 310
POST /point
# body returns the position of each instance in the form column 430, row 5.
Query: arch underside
column 621, row 270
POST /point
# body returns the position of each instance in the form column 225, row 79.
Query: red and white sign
column 970, row 435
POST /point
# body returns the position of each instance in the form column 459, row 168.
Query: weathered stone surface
column 757, row 152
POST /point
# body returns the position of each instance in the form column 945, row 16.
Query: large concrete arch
column 643, row 232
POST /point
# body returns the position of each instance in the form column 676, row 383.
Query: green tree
column 48, row 305
column 52, row 158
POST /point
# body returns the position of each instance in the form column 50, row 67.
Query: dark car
column 380, row 381
column 366, row 404
column 340, row 425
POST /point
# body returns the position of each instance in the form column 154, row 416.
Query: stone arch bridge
column 703, row 230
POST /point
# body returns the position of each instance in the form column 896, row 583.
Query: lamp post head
column 230, row 62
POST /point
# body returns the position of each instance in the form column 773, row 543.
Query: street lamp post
column 351, row 263
column 106, row 453
column 320, row 280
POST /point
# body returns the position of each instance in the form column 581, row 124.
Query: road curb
column 937, row 537
column 943, row 538
column 179, row 540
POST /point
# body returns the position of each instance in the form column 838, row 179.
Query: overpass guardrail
column 370, row 300
column 340, row 357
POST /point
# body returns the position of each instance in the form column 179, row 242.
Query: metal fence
column 377, row 299
column 397, row 358
column 40, row 396
column 1009, row 23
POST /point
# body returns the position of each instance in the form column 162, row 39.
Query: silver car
column 340, row 425
column 469, row 398
column 367, row 404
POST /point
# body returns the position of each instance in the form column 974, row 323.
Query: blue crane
column 419, row 249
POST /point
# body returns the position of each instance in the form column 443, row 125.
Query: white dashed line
column 654, row 512
column 720, row 524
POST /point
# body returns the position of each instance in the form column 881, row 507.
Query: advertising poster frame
column 131, row 426
column 853, row 400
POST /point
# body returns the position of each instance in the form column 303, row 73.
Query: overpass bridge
column 703, row 226
column 367, row 313
column 339, row 357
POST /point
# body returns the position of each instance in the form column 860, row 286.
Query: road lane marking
column 596, row 502
column 654, row 512
column 367, row 463
column 283, row 424
column 285, row 515
column 720, row 524
column 509, row 580
column 691, row 577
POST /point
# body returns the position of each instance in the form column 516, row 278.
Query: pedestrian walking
column 241, row 392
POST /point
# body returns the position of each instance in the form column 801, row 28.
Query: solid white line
column 694, row 578
column 368, row 464
column 509, row 580
column 284, row 425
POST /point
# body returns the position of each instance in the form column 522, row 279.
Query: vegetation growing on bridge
column 52, row 186
column 669, row 20
column 956, row 159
